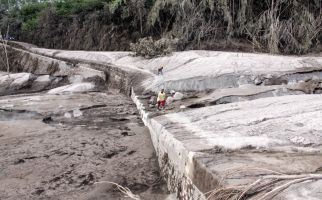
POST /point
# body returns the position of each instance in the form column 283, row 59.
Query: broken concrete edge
column 109, row 76
column 76, row 60
column 117, row 78
column 176, row 162
column 193, row 82
column 24, row 61
column 21, row 45
column 232, row 80
column 114, row 76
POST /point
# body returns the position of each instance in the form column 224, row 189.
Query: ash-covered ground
column 58, row 146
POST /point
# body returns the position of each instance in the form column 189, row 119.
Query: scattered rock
column 178, row 96
column 42, row 82
column 183, row 107
column 125, row 133
column 77, row 113
column 47, row 120
column 258, row 81
column 300, row 140
column 44, row 78
column 68, row 115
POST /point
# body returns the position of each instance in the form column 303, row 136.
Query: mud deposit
column 59, row 146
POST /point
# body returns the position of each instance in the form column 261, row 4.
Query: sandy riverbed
column 48, row 151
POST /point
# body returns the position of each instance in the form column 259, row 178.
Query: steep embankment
column 292, row 27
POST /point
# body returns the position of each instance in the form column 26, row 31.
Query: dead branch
column 268, row 185
column 123, row 190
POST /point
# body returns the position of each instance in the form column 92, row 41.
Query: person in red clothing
column 161, row 99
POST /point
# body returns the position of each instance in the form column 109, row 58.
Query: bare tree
column 4, row 42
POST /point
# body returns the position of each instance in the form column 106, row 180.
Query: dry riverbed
column 60, row 146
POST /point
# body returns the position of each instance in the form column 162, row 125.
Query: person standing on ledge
column 160, row 72
column 161, row 99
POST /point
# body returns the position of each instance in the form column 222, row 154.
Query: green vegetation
column 73, row 7
column 28, row 12
column 275, row 26
column 29, row 15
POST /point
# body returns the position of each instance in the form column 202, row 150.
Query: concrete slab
column 201, row 70
column 235, row 144
column 259, row 123
column 245, row 93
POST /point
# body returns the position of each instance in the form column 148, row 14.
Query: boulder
column 178, row 96
column 183, row 107
column 77, row 113
column 67, row 115
column 20, row 80
column 42, row 82
column 43, row 79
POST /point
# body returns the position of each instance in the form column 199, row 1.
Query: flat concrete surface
column 199, row 70
column 244, row 93
column 270, row 123
column 237, row 143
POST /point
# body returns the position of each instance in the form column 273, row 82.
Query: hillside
column 283, row 26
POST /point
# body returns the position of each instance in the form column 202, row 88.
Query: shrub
column 149, row 48
column 29, row 15
column 29, row 25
